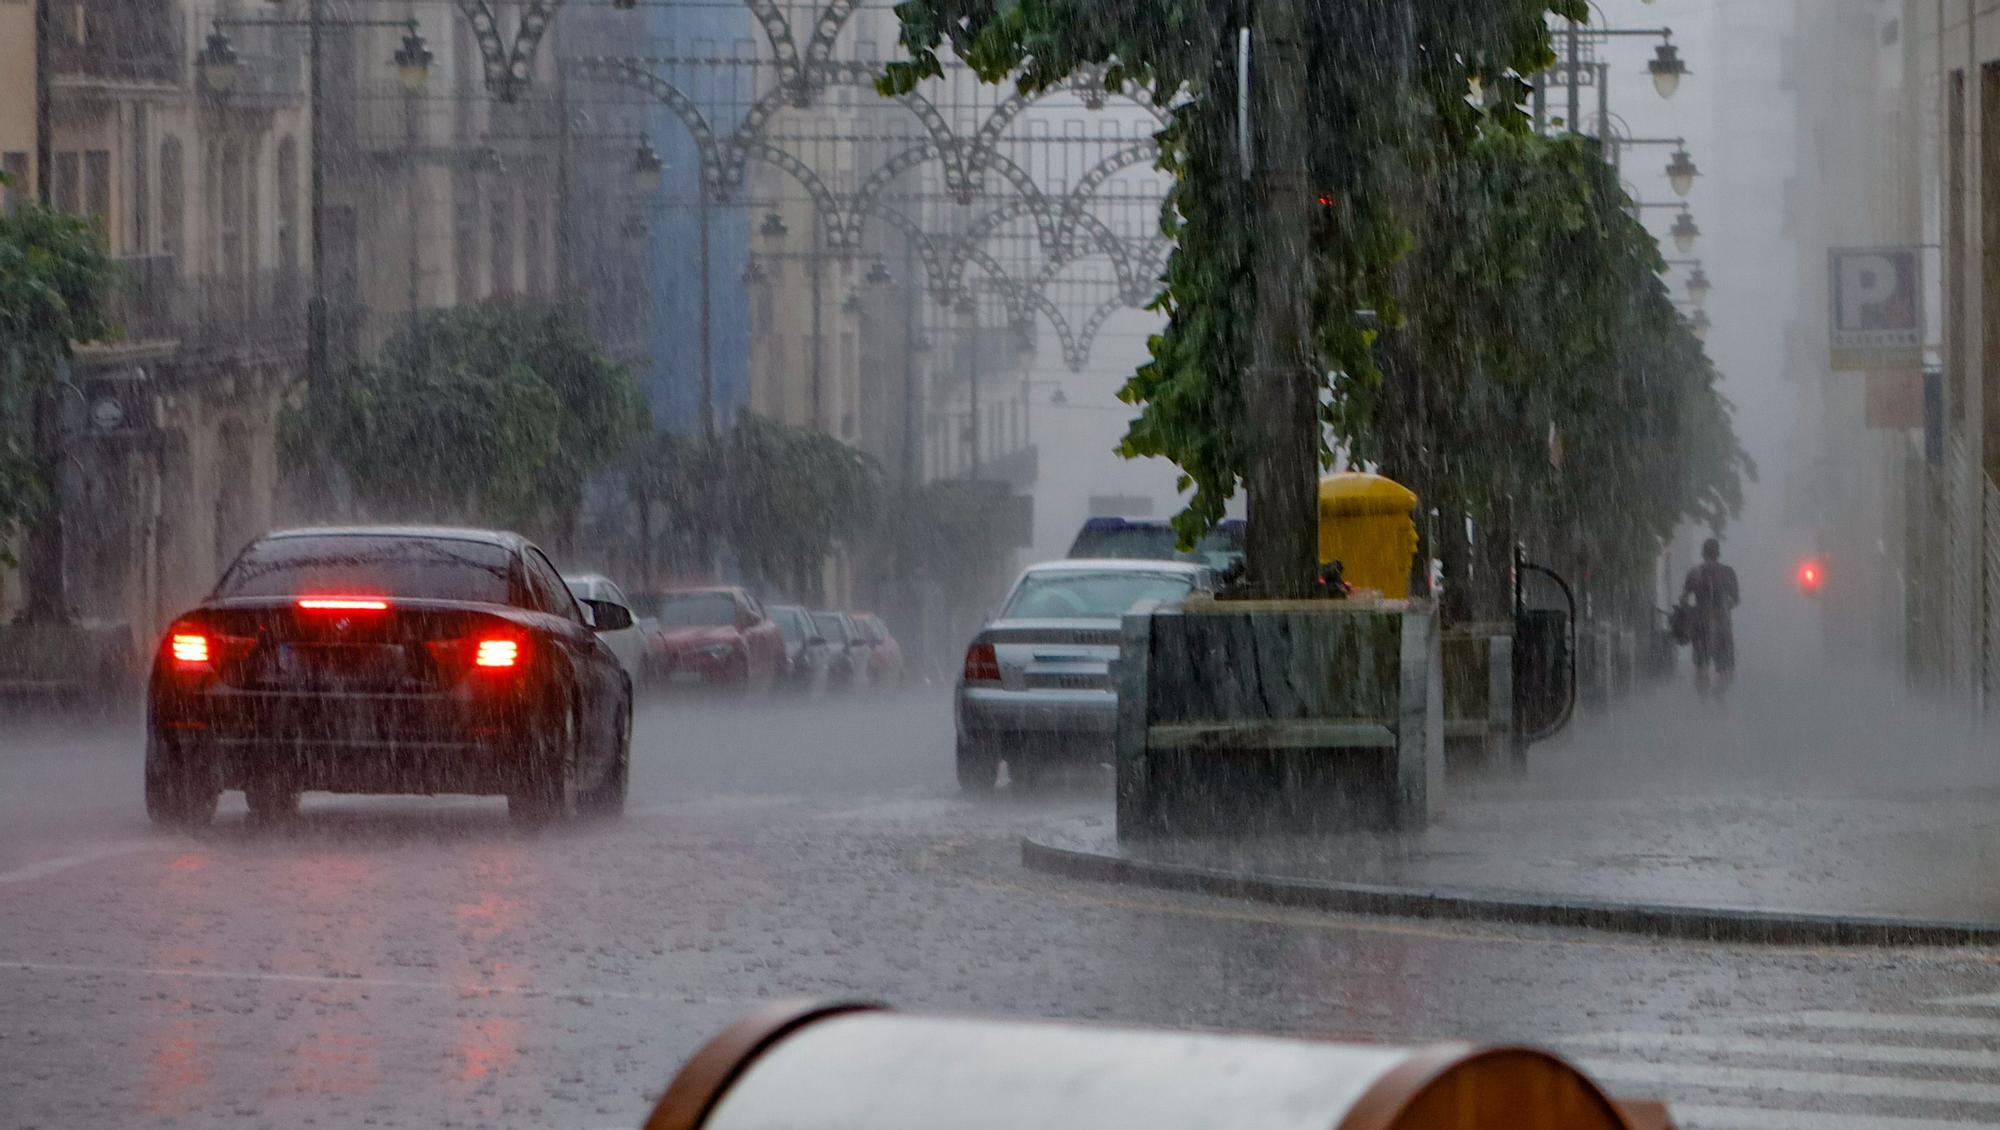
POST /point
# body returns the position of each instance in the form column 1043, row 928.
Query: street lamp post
column 219, row 65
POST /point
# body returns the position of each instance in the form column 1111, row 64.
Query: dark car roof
column 504, row 538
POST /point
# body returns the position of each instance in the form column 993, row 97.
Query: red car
column 711, row 637
column 885, row 655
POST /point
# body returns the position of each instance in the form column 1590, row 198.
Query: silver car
column 1036, row 691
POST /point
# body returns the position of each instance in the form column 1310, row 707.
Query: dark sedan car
column 389, row 660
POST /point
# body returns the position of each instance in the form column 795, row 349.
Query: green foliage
column 781, row 497
column 493, row 413
column 54, row 283
column 1472, row 287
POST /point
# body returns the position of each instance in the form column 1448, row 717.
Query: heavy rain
column 1321, row 546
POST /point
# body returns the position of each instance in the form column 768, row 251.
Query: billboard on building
column 1876, row 319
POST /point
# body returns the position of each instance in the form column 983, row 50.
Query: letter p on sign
column 1877, row 313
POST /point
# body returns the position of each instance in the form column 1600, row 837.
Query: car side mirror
column 609, row 616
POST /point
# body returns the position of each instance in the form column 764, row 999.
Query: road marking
column 330, row 979
column 1887, row 1022
column 42, row 869
column 1974, row 1000
column 1765, row 1079
column 1691, row 1117
column 1667, row 1043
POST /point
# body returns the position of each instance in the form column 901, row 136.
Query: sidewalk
column 1799, row 813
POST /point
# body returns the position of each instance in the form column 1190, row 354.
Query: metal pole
column 42, row 559
column 813, row 268
column 972, row 338
column 1607, row 138
column 910, row 364
column 416, row 236
column 317, row 390
column 565, row 233
column 1281, row 553
column 1573, row 46
column 707, row 407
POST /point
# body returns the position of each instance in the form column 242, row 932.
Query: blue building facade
column 697, row 37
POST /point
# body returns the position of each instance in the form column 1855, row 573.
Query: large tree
column 495, row 413
column 1385, row 85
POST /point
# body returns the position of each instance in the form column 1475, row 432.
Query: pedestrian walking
column 1708, row 598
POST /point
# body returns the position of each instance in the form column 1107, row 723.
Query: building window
column 66, row 183
column 15, row 165
column 173, row 199
column 141, row 195
column 97, row 188
column 288, row 207
column 231, row 230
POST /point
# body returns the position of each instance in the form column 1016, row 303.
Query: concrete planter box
column 1256, row 717
column 1479, row 695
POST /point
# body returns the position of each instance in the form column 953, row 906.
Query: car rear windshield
column 694, row 609
column 1074, row 596
column 1156, row 541
column 371, row 565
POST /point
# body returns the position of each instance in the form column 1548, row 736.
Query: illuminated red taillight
column 343, row 604
column 189, row 650
column 981, row 664
column 497, row 653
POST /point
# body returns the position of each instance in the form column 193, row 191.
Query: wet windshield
column 1070, row 595
column 439, row 568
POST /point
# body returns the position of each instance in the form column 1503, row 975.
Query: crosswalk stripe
column 1693, row 1117
column 1885, row 1022
column 1982, row 1000
column 1666, row 1043
column 1689, row 1077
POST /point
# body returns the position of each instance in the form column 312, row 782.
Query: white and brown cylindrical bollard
column 862, row 1067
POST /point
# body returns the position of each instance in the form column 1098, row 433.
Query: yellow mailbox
column 1368, row 524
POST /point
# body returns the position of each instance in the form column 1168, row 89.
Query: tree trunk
column 42, row 557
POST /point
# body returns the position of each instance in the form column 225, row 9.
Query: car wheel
column 270, row 799
column 182, row 784
column 608, row 798
column 545, row 790
column 978, row 768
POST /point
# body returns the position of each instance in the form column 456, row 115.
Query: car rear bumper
column 1085, row 721
column 373, row 743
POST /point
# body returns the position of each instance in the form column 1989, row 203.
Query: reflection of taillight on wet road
column 1811, row 576
column 981, row 664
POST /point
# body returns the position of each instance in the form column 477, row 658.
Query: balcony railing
column 128, row 41
column 152, row 301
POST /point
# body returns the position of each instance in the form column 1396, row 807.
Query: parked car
column 717, row 637
column 627, row 643
column 847, row 651
column 1154, row 539
column 388, row 659
column 806, row 651
column 885, row 655
column 1036, row 691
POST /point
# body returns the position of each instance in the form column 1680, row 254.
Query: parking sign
column 1877, row 318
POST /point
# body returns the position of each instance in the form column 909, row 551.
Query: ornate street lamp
column 647, row 168
column 753, row 273
column 1685, row 232
column 413, row 62
column 878, row 274
column 218, row 63
column 1698, row 325
column 1698, row 286
column 1667, row 68
column 774, row 226
column 1681, row 172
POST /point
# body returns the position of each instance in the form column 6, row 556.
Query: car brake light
column 343, row 604
column 189, row 650
column 497, row 653
column 981, row 664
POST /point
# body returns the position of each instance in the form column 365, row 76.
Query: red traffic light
column 1810, row 576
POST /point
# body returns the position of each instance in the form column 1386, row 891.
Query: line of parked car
column 722, row 638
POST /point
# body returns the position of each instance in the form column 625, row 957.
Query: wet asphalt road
column 416, row 962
